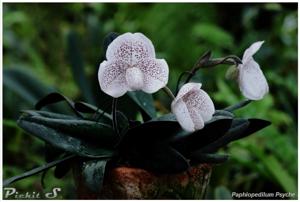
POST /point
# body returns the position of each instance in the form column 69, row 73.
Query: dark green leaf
column 240, row 128
column 255, row 125
column 128, row 107
column 166, row 117
column 144, row 101
column 148, row 143
column 52, row 153
column 237, row 127
column 91, row 109
column 223, row 113
column 158, row 157
column 64, row 141
column 36, row 170
column 197, row 158
column 187, row 142
column 217, row 117
column 76, row 60
column 62, row 169
column 54, row 98
column 151, row 131
column 82, row 129
column 98, row 114
column 86, row 108
column 123, row 123
column 134, row 123
column 48, row 114
column 93, row 174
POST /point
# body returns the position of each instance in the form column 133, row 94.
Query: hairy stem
column 114, row 116
column 168, row 92
column 205, row 62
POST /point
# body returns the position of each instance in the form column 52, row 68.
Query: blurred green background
column 55, row 45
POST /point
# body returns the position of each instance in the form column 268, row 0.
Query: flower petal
column 182, row 115
column 198, row 101
column 197, row 119
column 156, row 74
column 193, row 104
column 146, row 43
column 130, row 48
column 249, row 52
column 134, row 78
column 252, row 81
column 187, row 88
column 112, row 80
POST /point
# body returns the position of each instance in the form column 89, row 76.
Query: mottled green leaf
column 62, row 169
column 83, row 129
column 151, row 131
column 93, row 174
column 144, row 101
column 49, row 114
column 90, row 109
column 237, row 127
column 240, row 128
column 197, row 158
column 64, row 141
column 187, row 142
column 158, row 157
column 54, row 98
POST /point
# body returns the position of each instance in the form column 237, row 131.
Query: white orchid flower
column 251, row 79
column 192, row 107
column 131, row 65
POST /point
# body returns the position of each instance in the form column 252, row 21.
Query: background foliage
column 57, row 44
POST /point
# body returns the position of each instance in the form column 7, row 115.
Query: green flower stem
column 114, row 115
column 230, row 60
column 168, row 92
column 205, row 62
column 238, row 105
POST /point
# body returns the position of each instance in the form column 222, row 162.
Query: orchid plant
column 189, row 135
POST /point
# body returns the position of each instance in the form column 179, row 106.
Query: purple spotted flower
column 192, row 107
column 251, row 79
column 131, row 65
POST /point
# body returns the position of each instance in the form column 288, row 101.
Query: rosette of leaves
column 99, row 141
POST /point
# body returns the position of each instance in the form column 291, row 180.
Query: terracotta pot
column 136, row 183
